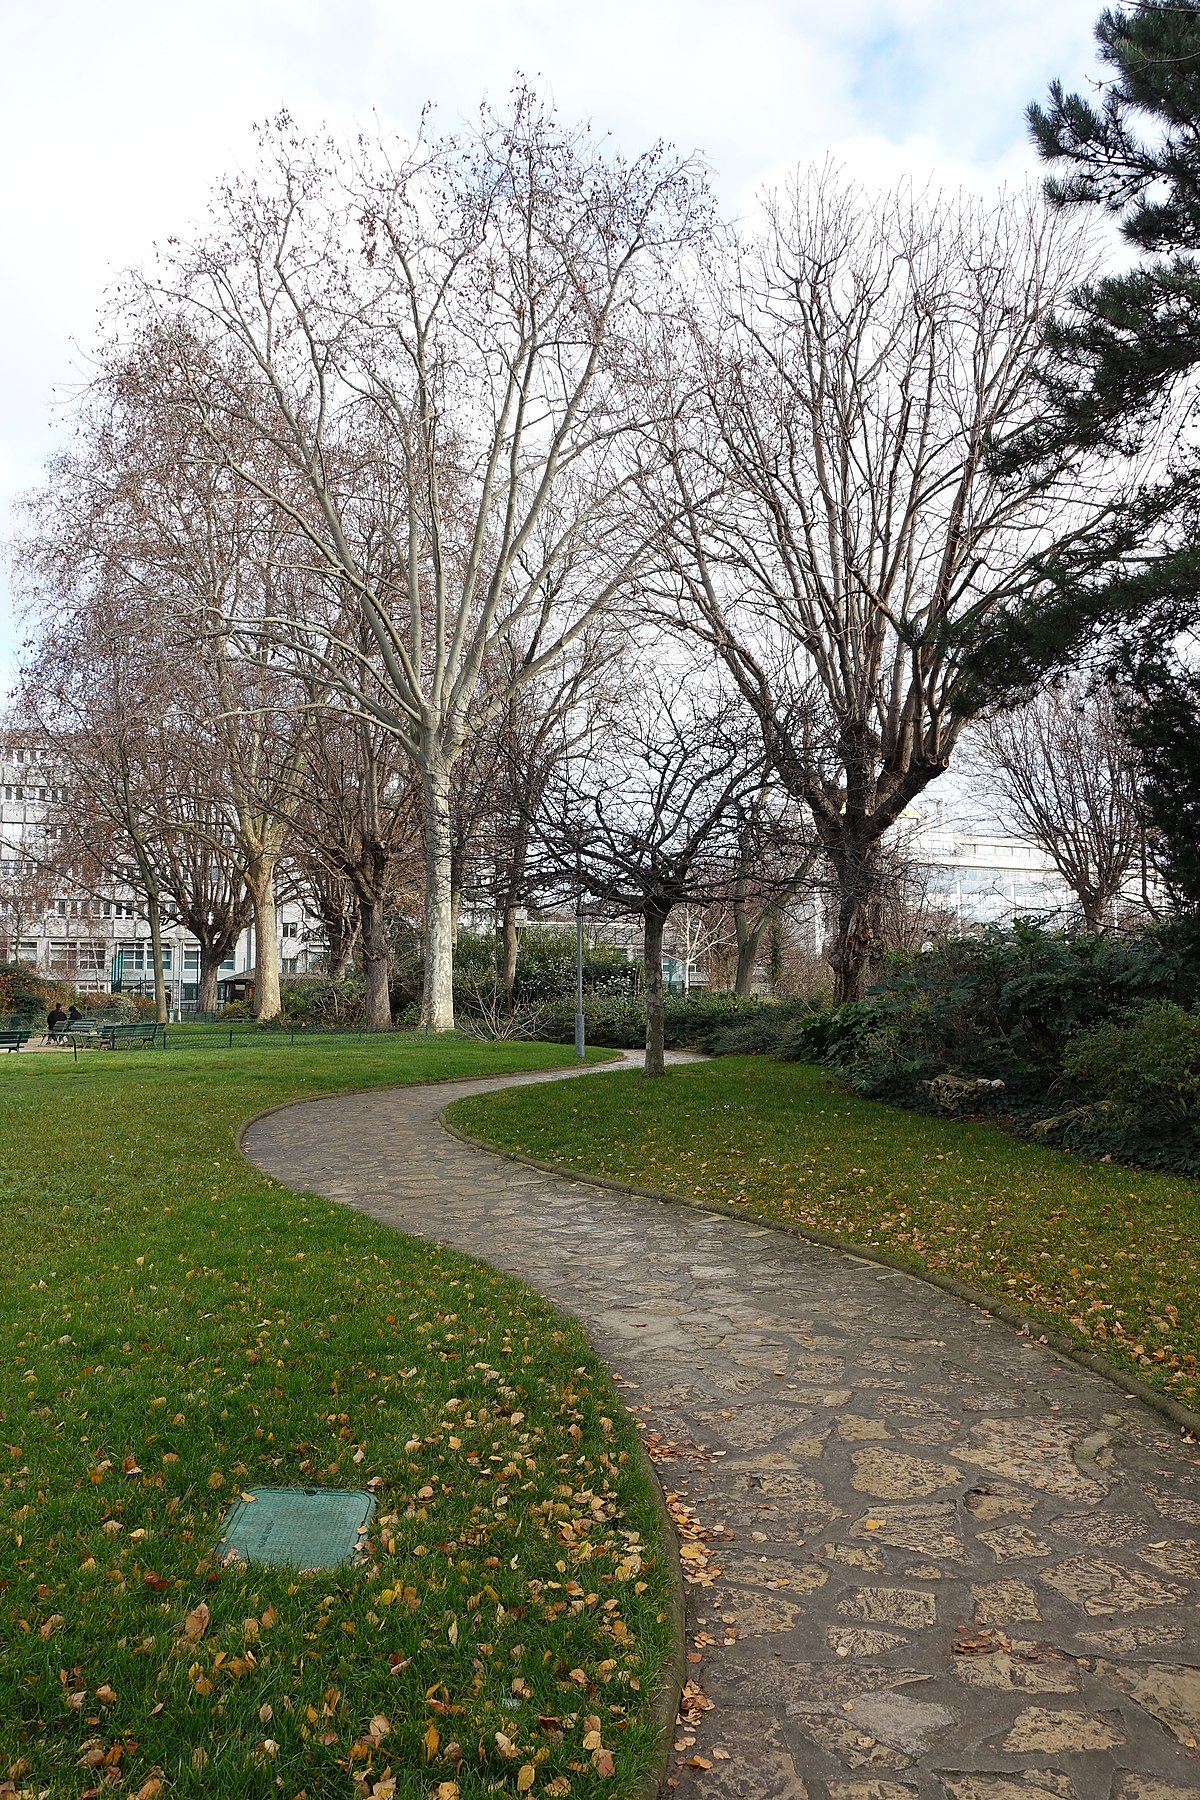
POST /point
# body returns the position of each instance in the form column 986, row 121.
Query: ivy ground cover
column 1102, row 1253
column 177, row 1328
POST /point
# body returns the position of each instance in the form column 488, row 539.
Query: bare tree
column 436, row 341
column 842, row 521
column 1061, row 772
column 28, row 879
column 776, row 859
column 82, row 692
column 360, row 822
column 204, row 878
column 139, row 514
column 513, row 763
column 329, row 895
column 649, row 818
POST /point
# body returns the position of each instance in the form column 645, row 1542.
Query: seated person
column 56, row 1021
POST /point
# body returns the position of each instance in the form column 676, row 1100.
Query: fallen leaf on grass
column 196, row 1623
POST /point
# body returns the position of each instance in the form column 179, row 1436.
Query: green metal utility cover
column 312, row 1528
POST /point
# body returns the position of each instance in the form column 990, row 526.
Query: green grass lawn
column 177, row 1328
column 1102, row 1253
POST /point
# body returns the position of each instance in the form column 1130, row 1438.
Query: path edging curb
column 1130, row 1385
column 664, row 1707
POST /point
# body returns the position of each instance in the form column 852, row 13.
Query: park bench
column 12, row 1040
column 83, row 1031
column 143, row 1035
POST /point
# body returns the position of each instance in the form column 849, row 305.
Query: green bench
column 12, row 1040
column 143, row 1035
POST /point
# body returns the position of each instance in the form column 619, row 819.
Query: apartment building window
column 138, row 959
column 291, row 929
column 69, row 957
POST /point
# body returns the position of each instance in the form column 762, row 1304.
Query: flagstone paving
column 952, row 1564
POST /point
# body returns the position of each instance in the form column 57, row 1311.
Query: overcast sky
column 116, row 116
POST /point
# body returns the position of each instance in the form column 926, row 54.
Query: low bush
column 26, row 997
column 717, row 1024
column 321, row 1003
column 1144, row 1071
column 1004, row 1004
column 1093, row 1038
column 618, row 1024
column 123, row 1009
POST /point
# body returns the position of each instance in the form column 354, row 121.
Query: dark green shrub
column 1145, row 1071
column 546, row 966
column 317, row 1002
column 1004, row 1004
column 616, row 1023
column 718, row 1024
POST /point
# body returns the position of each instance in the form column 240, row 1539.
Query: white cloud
column 116, row 118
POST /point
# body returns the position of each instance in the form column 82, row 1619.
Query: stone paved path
column 959, row 1567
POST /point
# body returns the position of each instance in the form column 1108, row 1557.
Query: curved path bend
column 958, row 1567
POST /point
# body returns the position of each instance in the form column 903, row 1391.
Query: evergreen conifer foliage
column 1125, row 384
column 1136, row 154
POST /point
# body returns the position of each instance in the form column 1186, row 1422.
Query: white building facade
column 99, row 942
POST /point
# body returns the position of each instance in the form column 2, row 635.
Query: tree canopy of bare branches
column 651, row 814
column 423, row 357
column 1062, row 772
column 842, row 523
